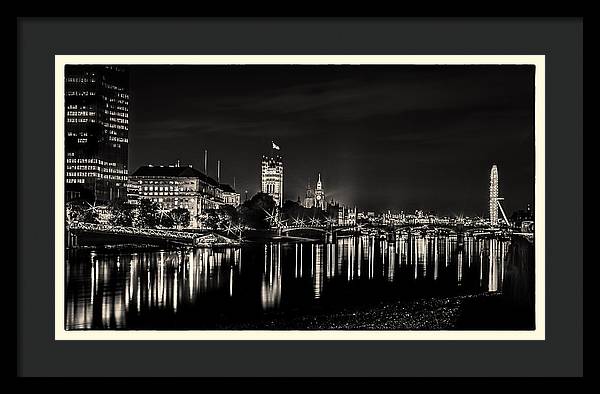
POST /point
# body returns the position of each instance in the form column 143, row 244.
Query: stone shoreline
column 446, row 313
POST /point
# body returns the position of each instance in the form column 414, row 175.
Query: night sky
column 383, row 137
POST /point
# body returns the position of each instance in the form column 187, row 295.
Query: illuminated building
column 96, row 132
column 494, row 196
column 272, row 178
column 341, row 215
column 176, row 187
column 320, row 195
column 309, row 199
column 230, row 196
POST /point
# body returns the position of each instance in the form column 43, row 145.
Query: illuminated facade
column 96, row 132
column 494, row 196
column 272, row 178
column 309, row 199
column 230, row 196
column 176, row 187
column 341, row 215
column 320, row 195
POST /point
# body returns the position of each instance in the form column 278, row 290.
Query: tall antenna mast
column 205, row 162
column 219, row 171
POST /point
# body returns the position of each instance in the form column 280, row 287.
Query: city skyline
column 383, row 137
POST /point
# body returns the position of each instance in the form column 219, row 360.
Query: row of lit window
column 116, row 113
column 83, row 107
column 114, row 126
column 118, row 120
column 95, row 175
column 161, row 188
column 81, row 80
column 160, row 194
column 170, row 183
column 79, row 120
column 90, row 161
column 81, row 113
column 118, row 139
column 106, row 166
column 113, row 87
column 272, row 189
column 84, row 168
column 83, row 93
column 110, row 102
column 96, row 168
column 168, row 205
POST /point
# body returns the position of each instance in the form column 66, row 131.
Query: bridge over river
column 76, row 230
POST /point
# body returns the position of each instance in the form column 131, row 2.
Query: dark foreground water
column 242, row 287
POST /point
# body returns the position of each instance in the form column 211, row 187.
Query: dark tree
column 180, row 217
column 212, row 219
column 229, row 214
column 166, row 220
column 122, row 213
column 292, row 210
column 253, row 213
column 148, row 213
column 81, row 211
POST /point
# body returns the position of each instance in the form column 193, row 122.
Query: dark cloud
column 383, row 137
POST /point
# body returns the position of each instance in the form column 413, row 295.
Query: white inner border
column 537, row 334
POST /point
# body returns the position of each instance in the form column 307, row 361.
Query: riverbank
column 487, row 311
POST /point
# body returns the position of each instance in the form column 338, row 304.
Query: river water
column 180, row 289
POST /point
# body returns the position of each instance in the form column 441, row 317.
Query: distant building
column 309, row 198
column 352, row 217
column 96, row 132
column 527, row 226
column 272, row 178
column 521, row 216
column 320, row 195
column 230, row 196
column 176, row 187
column 341, row 215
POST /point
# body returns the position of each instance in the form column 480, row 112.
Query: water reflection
column 120, row 290
column 271, row 281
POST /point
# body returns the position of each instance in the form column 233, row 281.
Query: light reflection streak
column 318, row 271
column 435, row 258
column 271, row 283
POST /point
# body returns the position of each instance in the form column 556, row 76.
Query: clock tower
column 320, row 195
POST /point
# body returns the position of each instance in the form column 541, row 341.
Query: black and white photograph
column 300, row 197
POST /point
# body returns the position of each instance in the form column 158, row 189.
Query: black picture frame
column 560, row 40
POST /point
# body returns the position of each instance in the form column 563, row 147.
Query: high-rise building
column 494, row 196
column 320, row 195
column 96, row 132
column 272, row 178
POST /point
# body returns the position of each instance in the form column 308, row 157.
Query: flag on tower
column 275, row 146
